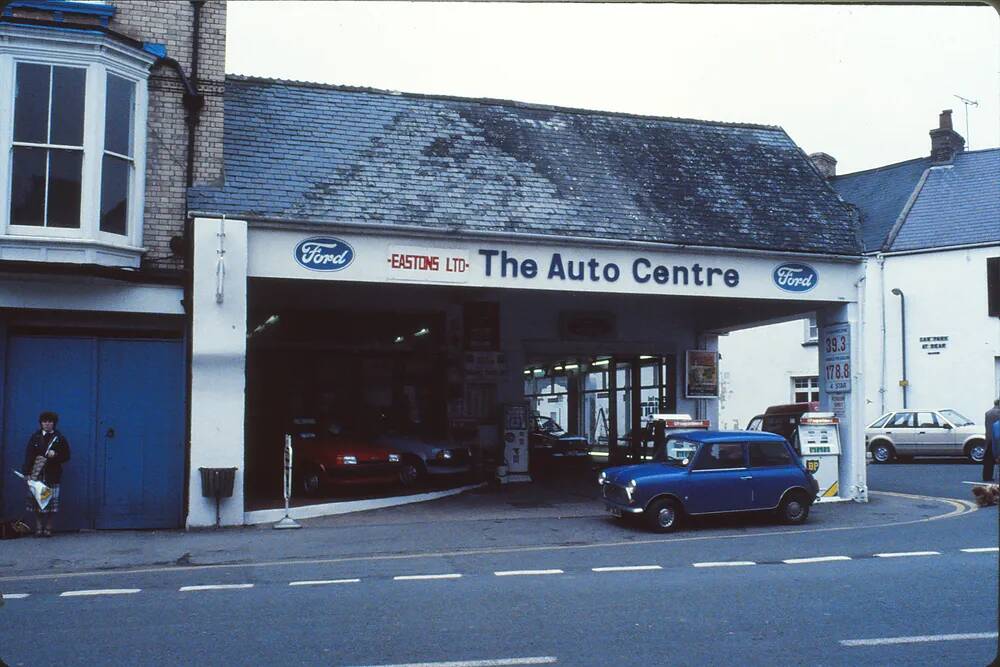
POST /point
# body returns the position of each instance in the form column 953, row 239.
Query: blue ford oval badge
column 793, row 277
column 324, row 253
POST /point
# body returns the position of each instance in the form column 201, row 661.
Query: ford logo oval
column 795, row 277
column 324, row 253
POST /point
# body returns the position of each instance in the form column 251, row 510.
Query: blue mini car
column 710, row 472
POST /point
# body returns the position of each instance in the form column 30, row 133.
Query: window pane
column 648, row 376
column 27, row 200
column 64, row 188
column 720, row 456
column 67, row 105
column 596, row 380
column 31, row 104
column 114, row 195
column 118, row 115
column 764, row 454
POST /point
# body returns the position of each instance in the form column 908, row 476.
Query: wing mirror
column 947, row 426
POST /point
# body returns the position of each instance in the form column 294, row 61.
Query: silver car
column 908, row 433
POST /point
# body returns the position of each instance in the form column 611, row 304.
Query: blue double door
column 121, row 405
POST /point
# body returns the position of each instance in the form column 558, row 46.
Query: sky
column 862, row 83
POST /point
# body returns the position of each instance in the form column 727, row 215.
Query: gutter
column 924, row 251
column 379, row 229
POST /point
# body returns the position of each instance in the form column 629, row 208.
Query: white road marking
column 818, row 559
column 323, row 582
column 519, row 573
column 15, row 596
column 421, row 577
column 626, row 568
column 100, row 591
column 502, row 662
column 904, row 554
column 918, row 639
column 727, row 563
column 982, row 550
column 214, row 587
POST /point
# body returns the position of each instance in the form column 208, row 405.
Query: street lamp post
column 902, row 317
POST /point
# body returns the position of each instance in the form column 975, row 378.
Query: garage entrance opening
column 362, row 394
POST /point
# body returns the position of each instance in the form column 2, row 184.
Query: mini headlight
column 393, row 458
column 602, row 478
column 630, row 489
column 349, row 460
column 445, row 454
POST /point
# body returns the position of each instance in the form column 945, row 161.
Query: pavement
column 485, row 519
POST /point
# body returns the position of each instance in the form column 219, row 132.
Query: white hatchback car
column 908, row 433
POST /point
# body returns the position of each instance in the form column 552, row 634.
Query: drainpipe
column 881, row 293
column 902, row 317
column 194, row 102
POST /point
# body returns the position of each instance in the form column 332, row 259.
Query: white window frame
column 811, row 388
column 810, row 335
column 100, row 55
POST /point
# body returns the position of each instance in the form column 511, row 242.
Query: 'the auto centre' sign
column 569, row 267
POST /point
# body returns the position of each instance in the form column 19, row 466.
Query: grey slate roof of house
column 310, row 152
column 952, row 204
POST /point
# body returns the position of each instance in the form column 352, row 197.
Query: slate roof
column 309, row 152
column 952, row 204
column 959, row 204
column 880, row 195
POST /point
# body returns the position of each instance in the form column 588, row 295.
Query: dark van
column 783, row 420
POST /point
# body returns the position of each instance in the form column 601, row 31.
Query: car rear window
column 766, row 454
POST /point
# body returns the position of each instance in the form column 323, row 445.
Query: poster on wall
column 702, row 374
column 836, row 352
column 481, row 325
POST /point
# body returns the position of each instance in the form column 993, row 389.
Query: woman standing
column 47, row 450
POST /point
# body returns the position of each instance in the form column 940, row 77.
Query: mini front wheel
column 662, row 516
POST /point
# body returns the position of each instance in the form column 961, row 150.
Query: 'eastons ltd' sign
column 324, row 253
column 501, row 264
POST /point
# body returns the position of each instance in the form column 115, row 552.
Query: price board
column 836, row 349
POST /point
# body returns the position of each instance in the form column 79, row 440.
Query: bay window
column 73, row 147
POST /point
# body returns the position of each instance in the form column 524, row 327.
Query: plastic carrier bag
column 39, row 491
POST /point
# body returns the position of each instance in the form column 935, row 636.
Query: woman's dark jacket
column 37, row 444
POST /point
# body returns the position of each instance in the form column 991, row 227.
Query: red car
column 325, row 454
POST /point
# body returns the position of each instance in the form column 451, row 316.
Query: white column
column 218, row 363
column 853, row 479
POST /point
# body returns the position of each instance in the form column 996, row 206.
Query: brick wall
column 171, row 24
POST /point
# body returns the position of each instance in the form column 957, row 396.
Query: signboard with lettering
column 933, row 344
column 836, row 350
column 558, row 265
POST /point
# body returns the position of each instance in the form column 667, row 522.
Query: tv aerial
column 968, row 103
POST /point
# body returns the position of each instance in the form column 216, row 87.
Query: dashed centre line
column 525, row 573
column 918, row 639
column 15, row 596
column 906, row 554
column 725, row 563
column 421, row 577
column 501, row 662
column 817, row 559
column 100, row 591
column 981, row 550
column 323, row 582
column 627, row 568
column 214, row 587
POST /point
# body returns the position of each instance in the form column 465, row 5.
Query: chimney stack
column 945, row 141
column 826, row 164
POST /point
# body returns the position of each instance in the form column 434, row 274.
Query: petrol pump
column 515, row 443
column 670, row 423
column 818, row 436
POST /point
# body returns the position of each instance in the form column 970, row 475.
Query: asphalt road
column 922, row 592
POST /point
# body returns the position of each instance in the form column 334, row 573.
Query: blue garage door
column 121, row 405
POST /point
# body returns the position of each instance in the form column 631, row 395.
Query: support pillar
column 218, row 364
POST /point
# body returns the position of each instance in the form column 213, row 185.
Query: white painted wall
column 218, row 365
column 757, row 368
column 946, row 295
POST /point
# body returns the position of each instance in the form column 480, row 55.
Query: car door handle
column 922, row 433
column 747, row 477
column 110, row 433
